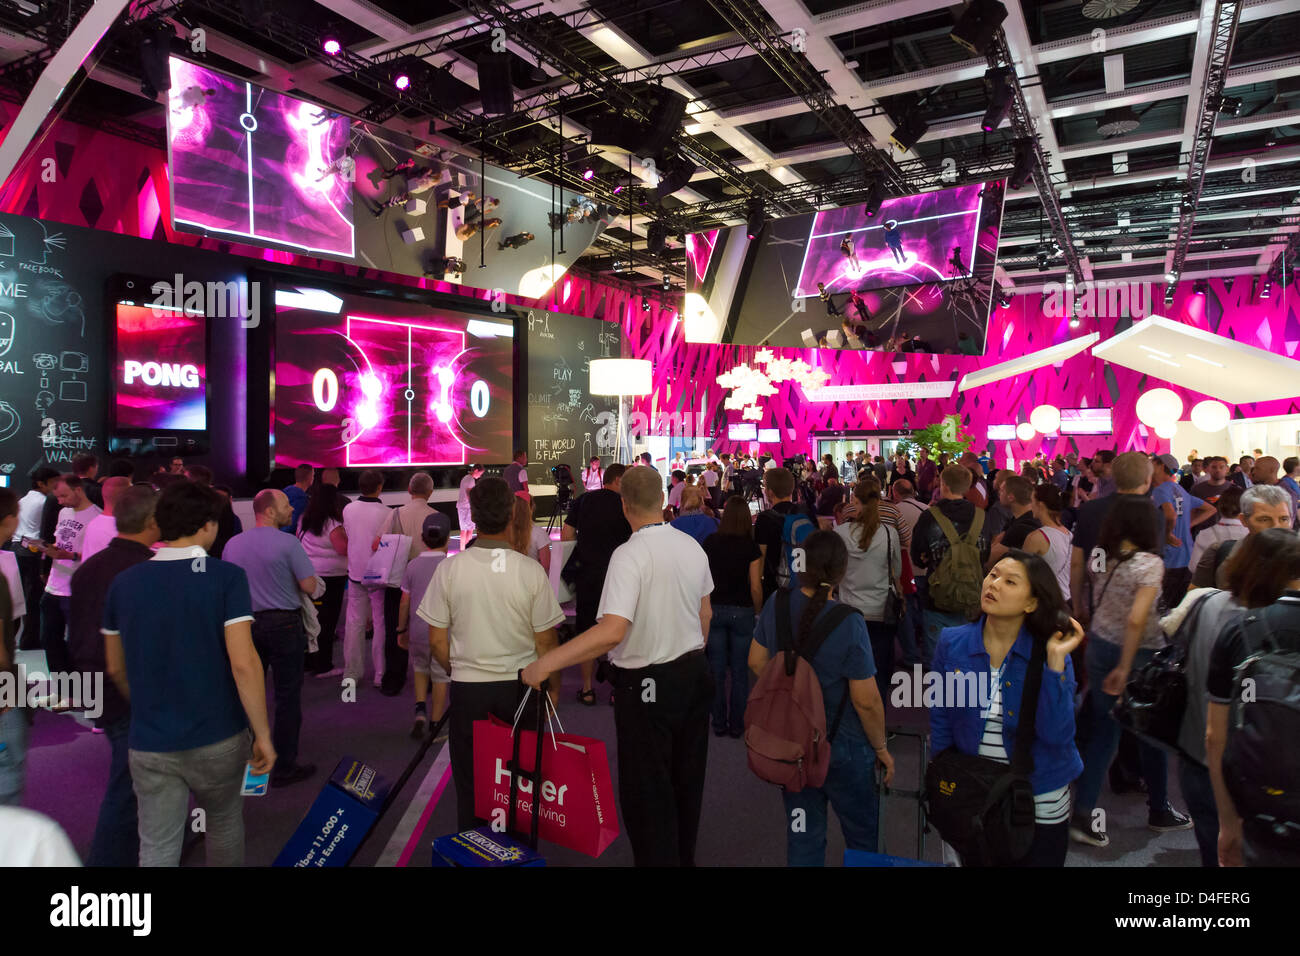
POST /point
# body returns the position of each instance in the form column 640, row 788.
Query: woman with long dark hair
column 1050, row 540
column 874, row 573
column 326, row 543
column 1123, row 634
column 737, row 568
column 843, row 665
column 1021, row 604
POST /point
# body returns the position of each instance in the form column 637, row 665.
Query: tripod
column 563, row 501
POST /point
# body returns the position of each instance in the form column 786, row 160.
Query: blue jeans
column 1103, row 736
column 281, row 643
column 1198, row 791
column 850, row 788
column 731, row 632
column 13, row 756
column 117, row 832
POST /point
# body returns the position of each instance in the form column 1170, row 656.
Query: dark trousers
column 1198, row 792
column 117, row 831
column 54, row 632
column 471, row 701
column 280, row 642
column 882, row 636
column 395, row 659
column 29, row 573
column 731, row 632
column 661, row 719
column 1174, row 587
column 327, row 612
column 1050, row 845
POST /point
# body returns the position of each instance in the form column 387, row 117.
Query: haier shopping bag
column 577, row 805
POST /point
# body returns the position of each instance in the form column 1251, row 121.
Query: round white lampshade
column 1045, row 419
column 1026, row 431
column 620, row 377
column 1166, row 430
column 1158, row 406
column 1211, row 416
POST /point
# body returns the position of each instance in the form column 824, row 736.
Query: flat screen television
column 1002, row 433
column 160, row 368
column 742, row 431
column 1085, row 421
column 769, row 436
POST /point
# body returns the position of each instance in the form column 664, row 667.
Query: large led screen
column 251, row 163
column 917, row 276
column 160, row 369
column 910, row 240
column 1086, row 421
column 361, row 380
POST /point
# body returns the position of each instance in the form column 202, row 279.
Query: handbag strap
column 1110, row 576
column 1026, row 731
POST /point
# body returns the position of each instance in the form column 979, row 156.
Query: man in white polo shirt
column 653, row 620
column 490, row 611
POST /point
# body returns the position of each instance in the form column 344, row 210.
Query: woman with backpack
column 872, row 584
column 1256, row 578
column 1124, row 633
column 1020, row 606
column 1249, row 745
column 844, row 668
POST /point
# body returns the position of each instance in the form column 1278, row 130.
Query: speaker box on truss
column 494, row 85
column 977, row 24
column 620, row 134
column 664, row 121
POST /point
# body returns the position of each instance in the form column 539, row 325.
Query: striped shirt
column 888, row 515
column 1049, row 808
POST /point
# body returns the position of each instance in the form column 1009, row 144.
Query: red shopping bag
column 577, row 805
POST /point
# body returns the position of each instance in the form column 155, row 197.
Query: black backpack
column 1265, row 716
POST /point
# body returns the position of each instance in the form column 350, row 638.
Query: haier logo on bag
column 550, row 792
column 167, row 374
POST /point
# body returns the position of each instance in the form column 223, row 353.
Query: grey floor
column 742, row 823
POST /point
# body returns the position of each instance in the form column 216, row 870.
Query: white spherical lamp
column 1046, row 419
column 1158, row 406
column 1211, row 416
column 1166, row 430
column 1026, row 431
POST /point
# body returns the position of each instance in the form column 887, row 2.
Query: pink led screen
column 391, row 383
column 912, row 239
column 254, row 164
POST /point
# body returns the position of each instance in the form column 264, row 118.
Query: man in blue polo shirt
column 303, row 476
column 179, row 645
column 1180, row 511
column 279, row 573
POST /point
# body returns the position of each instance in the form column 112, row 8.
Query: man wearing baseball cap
column 1181, row 511
column 435, row 533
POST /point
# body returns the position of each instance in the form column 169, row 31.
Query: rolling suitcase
column 881, row 857
column 484, row 847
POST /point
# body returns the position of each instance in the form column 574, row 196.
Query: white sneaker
column 336, row 672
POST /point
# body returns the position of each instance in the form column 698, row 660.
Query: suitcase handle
column 536, row 775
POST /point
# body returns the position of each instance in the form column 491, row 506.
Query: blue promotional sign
column 485, row 849
column 342, row 815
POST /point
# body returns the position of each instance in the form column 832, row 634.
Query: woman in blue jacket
column 1021, row 603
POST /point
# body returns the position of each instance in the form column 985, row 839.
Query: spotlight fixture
column 1004, row 300
column 997, row 87
column 1171, row 277
column 1266, row 288
column 331, row 46
column 1043, row 260
column 1074, row 322
column 1022, row 170
column 1230, row 105
column 656, row 238
column 1169, row 295
column 910, row 131
column 667, row 283
column 756, row 221
column 588, row 173
column 645, row 304
column 875, row 197
column 1200, row 287
column 402, row 82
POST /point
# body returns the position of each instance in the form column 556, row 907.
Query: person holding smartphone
column 76, row 511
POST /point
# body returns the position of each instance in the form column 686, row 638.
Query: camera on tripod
column 563, row 476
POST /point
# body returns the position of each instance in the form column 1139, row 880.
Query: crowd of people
column 1070, row 572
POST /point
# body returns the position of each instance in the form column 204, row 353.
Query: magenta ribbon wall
column 118, row 185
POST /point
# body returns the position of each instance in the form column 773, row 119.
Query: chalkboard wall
column 56, row 339
column 563, row 421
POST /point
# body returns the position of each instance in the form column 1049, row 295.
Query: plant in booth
column 944, row 436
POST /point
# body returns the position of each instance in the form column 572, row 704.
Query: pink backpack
column 785, row 719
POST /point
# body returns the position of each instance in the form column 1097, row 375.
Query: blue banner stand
column 338, row 822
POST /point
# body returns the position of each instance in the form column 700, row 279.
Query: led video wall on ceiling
column 363, row 380
column 250, row 163
column 917, row 270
